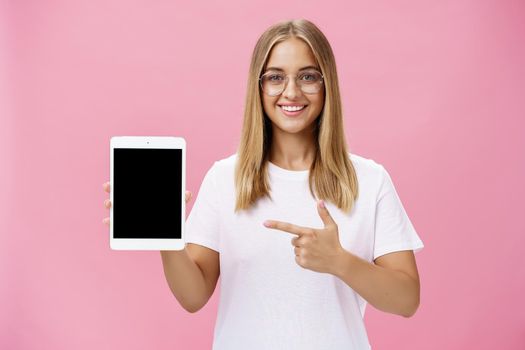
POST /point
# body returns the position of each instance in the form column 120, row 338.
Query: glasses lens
column 310, row 81
column 273, row 83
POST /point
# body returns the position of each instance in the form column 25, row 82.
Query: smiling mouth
column 292, row 108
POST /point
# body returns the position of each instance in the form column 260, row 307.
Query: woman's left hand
column 315, row 249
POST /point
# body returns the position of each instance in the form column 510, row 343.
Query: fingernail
column 266, row 223
column 321, row 203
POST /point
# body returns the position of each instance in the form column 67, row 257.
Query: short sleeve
column 202, row 225
column 393, row 229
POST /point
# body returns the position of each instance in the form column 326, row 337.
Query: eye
column 310, row 76
column 275, row 77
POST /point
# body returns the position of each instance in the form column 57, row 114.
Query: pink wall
column 432, row 90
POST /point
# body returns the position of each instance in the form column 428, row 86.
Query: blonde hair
column 332, row 175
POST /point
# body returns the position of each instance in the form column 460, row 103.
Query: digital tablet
column 147, row 191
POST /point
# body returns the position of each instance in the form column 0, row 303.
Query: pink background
column 432, row 90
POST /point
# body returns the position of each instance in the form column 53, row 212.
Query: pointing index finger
column 285, row 226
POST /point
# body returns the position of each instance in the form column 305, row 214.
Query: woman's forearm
column 184, row 278
column 387, row 290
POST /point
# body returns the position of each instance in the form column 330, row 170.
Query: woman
column 302, row 232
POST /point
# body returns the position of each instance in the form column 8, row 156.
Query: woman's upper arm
column 208, row 261
column 403, row 261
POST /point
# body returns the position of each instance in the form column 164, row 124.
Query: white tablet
column 147, row 190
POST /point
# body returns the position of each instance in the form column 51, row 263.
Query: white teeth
column 292, row 108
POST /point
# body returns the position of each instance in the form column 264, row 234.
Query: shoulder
column 366, row 166
column 371, row 174
column 224, row 167
column 226, row 163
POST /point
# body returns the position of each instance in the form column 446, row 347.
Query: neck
column 292, row 151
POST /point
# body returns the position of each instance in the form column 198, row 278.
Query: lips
column 292, row 110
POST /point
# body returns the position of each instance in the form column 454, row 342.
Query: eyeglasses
column 273, row 83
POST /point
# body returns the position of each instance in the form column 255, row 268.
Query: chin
column 295, row 128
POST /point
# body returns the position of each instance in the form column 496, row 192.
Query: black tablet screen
column 147, row 187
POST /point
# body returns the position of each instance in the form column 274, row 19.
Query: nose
column 291, row 89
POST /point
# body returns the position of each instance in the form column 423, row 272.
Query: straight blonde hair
column 332, row 176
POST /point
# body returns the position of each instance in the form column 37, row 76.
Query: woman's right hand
column 107, row 202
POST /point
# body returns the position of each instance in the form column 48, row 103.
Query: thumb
column 324, row 214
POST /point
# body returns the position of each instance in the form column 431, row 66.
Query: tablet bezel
column 167, row 142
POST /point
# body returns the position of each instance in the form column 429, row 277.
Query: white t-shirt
column 267, row 301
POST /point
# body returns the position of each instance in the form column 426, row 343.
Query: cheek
column 269, row 105
column 318, row 103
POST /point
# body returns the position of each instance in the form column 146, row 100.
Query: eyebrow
column 282, row 70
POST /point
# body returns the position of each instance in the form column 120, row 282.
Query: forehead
column 291, row 55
